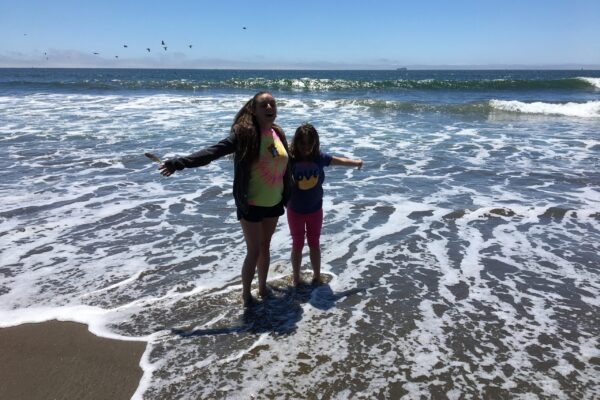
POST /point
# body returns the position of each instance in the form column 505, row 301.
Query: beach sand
column 63, row 360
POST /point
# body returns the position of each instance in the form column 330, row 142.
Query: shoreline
column 57, row 359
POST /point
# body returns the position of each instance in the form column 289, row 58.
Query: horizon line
column 490, row 67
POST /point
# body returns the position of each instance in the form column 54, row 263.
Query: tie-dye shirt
column 266, row 174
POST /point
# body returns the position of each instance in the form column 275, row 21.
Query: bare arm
column 346, row 162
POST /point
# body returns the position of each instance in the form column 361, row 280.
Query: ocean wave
column 480, row 108
column 590, row 109
column 595, row 82
column 314, row 84
column 475, row 109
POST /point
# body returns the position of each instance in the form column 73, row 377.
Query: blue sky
column 300, row 34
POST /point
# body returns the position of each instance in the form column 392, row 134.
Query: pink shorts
column 302, row 225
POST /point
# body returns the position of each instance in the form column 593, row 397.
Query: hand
column 359, row 164
column 164, row 171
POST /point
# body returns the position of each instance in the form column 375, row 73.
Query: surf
column 305, row 84
column 589, row 109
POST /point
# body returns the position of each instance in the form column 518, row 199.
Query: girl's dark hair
column 309, row 133
column 247, row 130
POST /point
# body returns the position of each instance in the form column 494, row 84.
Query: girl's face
column 305, row 146
column 265, row 110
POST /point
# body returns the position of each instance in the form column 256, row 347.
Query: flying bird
column 148, row 48
column 244, row 28
column 162, row 42
column 96, row 53
column 165, row 47
column 125, row 45
column 116, row 56
column 190, row 46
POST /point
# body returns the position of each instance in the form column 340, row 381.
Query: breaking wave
column 590, row 109
column 312, row 84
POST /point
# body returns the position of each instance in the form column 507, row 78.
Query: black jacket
column 241, row 171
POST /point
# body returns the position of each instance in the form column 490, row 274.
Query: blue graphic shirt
column 307, row 190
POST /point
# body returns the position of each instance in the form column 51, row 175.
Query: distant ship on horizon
column 402, row 69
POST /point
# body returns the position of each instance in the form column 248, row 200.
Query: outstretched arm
column 346, row 162
column 200, row 158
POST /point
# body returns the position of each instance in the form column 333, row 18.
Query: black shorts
column 257, row 213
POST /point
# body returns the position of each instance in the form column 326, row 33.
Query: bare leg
column 268, row 226
column 313, row 233
column 252, row 237
column 296, row 262
column 296, row 224
column 315, row 260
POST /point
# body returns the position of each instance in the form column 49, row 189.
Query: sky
column 300, row 34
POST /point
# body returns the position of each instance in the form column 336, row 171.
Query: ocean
column 462, row 261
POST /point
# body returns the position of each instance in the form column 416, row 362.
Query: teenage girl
column 261, row 181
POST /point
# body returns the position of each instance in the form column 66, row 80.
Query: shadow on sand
column 279, row 312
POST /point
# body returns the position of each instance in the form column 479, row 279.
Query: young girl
column 304, row 210
column 261, row 181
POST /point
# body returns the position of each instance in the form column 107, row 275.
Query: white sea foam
column 590, row 109
column 458, row 292
column 594, row 81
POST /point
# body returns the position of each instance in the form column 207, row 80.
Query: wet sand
column 63, row 360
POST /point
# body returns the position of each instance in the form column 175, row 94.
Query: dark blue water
column 424, row 84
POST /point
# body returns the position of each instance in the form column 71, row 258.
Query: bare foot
column 267, row 292
column 248, row 301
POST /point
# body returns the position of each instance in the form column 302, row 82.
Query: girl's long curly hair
column 306, row 133
column 247, row 130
